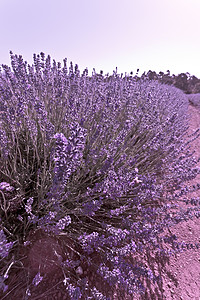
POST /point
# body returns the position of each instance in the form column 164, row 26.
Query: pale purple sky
column 159, row 35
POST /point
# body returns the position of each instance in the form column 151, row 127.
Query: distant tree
column 152, row 75
column 181, row 82
column 166, row 78
column 160, row 76
column 193, row 81
column 144, row 75
column 190, row 84
column 196, row 87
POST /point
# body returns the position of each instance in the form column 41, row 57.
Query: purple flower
column 28, row 207
column 97, row 294
column 91, row 207
column 118, row 211
column 74, row 292
column 4, row 246
column 37, row 279
column 68, row 152
column 3, row 286
column 62, row 223
column 6, row 186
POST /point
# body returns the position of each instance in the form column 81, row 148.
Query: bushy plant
column 96, row 160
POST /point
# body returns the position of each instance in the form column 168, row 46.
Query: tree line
column 189, row 84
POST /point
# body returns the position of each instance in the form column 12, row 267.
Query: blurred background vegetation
column 189, row 84
column 186, row 82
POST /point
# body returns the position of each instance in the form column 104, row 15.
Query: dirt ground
column 181, row 280
column 186, row 266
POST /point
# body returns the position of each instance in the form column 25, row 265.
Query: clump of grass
column 85, row 158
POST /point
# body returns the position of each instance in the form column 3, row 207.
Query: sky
column 157, row 35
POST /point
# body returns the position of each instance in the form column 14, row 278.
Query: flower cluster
column 6, row 186
column 68, row 152
column 4, row 245
column 37, row 279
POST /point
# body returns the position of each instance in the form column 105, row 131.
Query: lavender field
column 90, row 169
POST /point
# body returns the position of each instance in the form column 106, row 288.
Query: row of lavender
column 87, row 157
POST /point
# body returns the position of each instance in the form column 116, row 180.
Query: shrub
column 94, row 162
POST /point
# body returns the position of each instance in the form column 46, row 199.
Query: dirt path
column 181, row 279
column 186, row 266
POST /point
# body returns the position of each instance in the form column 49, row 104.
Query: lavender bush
column 97, row 160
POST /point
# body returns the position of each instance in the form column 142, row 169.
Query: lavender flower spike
column 37, row 279
column 6, row 186
column 4, row 246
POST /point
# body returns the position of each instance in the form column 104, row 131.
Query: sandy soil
column 186, row 266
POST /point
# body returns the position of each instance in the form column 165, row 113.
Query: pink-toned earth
column 182, row 275
column 43, row 254
column 186, row 266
